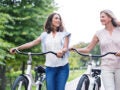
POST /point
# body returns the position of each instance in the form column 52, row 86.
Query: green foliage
column 77, row 61
column 22, row 21
column 96, row 51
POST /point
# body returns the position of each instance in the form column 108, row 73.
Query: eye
column 57, row 18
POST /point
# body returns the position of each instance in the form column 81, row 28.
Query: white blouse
column 50, row 43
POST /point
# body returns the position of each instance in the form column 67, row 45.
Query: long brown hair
column 48, row 24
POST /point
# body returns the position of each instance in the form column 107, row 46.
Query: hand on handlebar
column 13, row 50
column 71, row 49
column 117, row 53
column 60, row 54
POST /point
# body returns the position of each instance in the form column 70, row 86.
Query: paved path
column 73, row 84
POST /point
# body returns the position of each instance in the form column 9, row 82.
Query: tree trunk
column 2, row 77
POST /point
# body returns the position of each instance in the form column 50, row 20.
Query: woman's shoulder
column 118, row 29
column 65, row 33
column 100, row 31
column 43, row 35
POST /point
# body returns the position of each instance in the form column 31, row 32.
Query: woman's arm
column 66, row 44
column 65, row 47
column 29, row 44
column 118, row 23
column 26, row 45
column 92, row 44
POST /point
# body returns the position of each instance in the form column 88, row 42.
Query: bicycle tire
column 21, row 82
column 83, row 83
column 97, row 84
column 42, row 85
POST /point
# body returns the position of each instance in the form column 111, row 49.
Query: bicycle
column 91, row 79
column 25, row 81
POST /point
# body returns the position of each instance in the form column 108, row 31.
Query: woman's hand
column 60, row 54
column 117, row 22
column 71, row 49
column 12, row 50
column 117, row 53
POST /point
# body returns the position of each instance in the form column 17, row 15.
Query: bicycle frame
column 91, row 69
column 28, row 73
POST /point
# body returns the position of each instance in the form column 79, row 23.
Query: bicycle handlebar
column 90, row 55
column 29, row 53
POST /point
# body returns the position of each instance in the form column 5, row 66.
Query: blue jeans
column 56, row 77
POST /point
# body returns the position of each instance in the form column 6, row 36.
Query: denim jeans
column 56, row 77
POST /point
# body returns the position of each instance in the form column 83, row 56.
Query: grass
column 74, row 74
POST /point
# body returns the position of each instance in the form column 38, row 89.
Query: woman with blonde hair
column 109, row 41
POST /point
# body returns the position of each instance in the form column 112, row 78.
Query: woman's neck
column 54, row 32
column 109, row 27
column 54, row 29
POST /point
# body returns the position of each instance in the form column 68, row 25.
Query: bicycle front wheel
column 21, row 83
column 83, row 83
column 97, row 84
column 42, row 85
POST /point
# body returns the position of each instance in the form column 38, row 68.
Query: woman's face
column 56, row 21
column 104, row 18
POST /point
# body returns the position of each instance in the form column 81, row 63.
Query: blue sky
column 81, row 17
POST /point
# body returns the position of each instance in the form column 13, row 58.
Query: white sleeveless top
column 50, row 43
column 109, row 43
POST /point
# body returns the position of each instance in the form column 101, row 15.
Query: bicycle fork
column 89, row 68
column 28, row 72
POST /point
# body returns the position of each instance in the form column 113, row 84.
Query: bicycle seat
column 96, row 71
column 39, row 69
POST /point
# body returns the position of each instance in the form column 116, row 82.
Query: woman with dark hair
column 109, row 41
column 55, row 39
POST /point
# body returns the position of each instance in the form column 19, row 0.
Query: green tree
column 21, row 21
column 77, row 61
column 96, row 51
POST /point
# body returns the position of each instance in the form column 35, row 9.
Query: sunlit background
column 81, row 17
